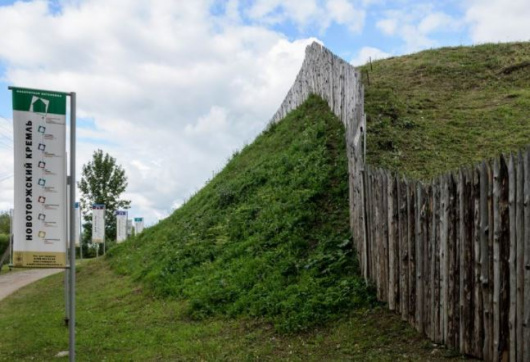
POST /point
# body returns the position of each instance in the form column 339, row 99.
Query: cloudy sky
column 171, row 88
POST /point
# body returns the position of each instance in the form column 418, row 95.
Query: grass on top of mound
column 267, row 237
column 436, row 110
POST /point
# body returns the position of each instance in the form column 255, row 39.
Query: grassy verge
column 117, row 321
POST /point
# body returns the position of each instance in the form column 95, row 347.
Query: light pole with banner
column 40, row 227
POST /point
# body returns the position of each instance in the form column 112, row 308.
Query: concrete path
column 13, row 281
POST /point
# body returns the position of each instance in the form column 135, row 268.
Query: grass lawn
column 118, row 321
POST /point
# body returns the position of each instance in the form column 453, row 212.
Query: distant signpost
column 121, row 225
column 138, row 225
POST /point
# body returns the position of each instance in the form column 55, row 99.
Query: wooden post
column 419, row 258
column 428, row 252
column 378, row 235
column 404, row 270
column 496, row 258
column 411, row 239
column 435, row 262
column 451, row 255
column 391, row 242
column 484, row 267
column 466, row 258
column 444, row 201
column 525, row 275
column 504, row 251
column 461, row 256
column 520, row 255
column 512, row 205
column 384, row 209
column 478, row 333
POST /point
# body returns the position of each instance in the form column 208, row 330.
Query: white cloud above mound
column 417, row 24
column 318, row 13
column 498, row 20
column 367, row 53
column 172, row 88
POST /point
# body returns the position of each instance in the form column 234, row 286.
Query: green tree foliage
column 4, row 230
column 4, row 222
column 102, row 182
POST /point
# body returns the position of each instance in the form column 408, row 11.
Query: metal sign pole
column 11, row 213
column 71, row 353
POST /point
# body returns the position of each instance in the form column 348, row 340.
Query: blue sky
column 172, row 88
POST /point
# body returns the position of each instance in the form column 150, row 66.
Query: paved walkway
column 13, row 281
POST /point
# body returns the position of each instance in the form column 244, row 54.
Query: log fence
column 452, row 256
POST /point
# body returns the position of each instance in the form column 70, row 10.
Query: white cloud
column 172, row 89
column 366, row 53
column 417, row 25
column 321, row 13
column 387, row 26
column 498, row 20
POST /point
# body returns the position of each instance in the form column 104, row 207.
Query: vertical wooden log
column 411, row 240
column 512, row 205
column 384, row 208
column 378, row 235
column 466, row 266
column 496, row 259
column 504, row 251
column 451, row 250
column 391, row 242
column 404, row 285
column 367, row 203
column 427, row 252
column 443, row 253
column 456, row 263
column 484, row 267
column 397, row 244
column 461, row 256
column 373, row 223
column 444, row 269
column 369, row 218
column 520, row 256
column 478, row 332
column 419, row 257
column 435, row 262
column 525, row 275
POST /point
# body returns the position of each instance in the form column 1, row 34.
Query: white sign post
column 121, row 225
column 138, row 225
column 40, row 217
column 39, row 127
column 98, row 225
column 129, row 227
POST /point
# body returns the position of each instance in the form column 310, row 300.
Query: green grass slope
column 117, row 320
column 268, row 237
column 436, row 110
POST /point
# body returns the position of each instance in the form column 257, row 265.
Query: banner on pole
column 77, row 224
column 39, row 137
column 138, row 225
column 98, row 223
column 129, row 227
column 121, row 225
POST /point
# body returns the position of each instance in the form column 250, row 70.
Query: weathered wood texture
column 452, row 257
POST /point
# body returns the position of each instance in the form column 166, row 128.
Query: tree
column 102, row 182
column 5, row 222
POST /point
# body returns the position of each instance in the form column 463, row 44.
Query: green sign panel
column 39, row 101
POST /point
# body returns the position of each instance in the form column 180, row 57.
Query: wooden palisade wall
column 451, row 256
